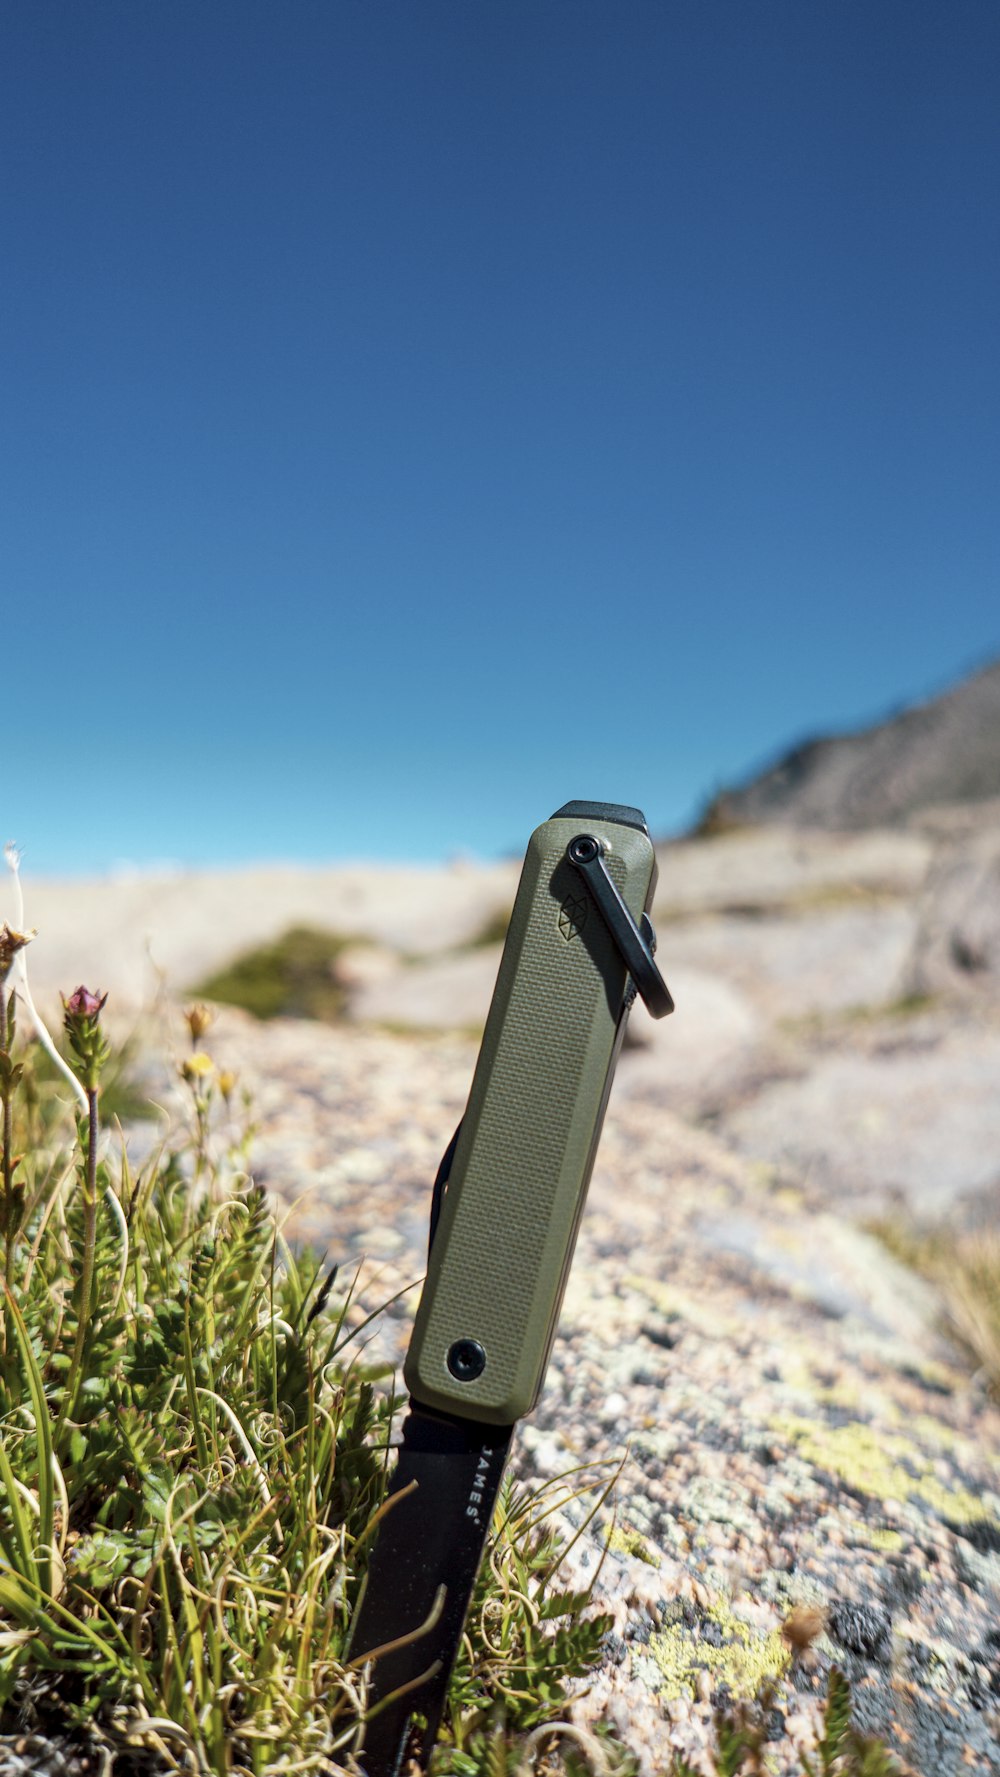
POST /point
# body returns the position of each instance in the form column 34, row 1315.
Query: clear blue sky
column 417, row 412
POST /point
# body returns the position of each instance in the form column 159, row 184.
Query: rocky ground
column 796, row 1428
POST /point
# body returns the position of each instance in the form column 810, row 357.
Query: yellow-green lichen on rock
column 705, row 1316
column 934, row 1432
column 623, row 1541
column 885, row 1465
column 743, row 1662
column 885, row 1542
column 956, row 1504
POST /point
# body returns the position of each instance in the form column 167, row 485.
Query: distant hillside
column 944, row 751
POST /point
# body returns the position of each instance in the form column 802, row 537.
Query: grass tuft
column 192, row 1454
column 294, row 977
column 965, row 1267
column 970, row 1278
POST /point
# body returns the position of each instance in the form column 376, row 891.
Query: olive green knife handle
column 503, row 1244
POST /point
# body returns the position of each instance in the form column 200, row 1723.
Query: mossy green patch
column 841, row 1394
column 864, row 1400
column 744, row 1661
column 294, row 977
column 787, row 1198
column 762, row 1174
column 814, row 1024
column 954, row 1504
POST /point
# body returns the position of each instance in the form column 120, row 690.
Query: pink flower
column 83, row 1003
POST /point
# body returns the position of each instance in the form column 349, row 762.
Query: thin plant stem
column 8, row 1168
column 24, row 990
column 8, row 1113
column 87, row 1262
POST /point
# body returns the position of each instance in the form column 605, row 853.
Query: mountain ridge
column 942, row 751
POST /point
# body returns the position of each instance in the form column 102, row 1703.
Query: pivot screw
column 466, row 1360
column 584, row 849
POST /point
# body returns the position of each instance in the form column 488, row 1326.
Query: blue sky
column 418, row 412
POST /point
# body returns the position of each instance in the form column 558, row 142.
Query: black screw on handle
column 466, row 1360
column 634, row 943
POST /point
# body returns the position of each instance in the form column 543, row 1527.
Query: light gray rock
column 779, row 867
column 956, row 945
column 787, row 966
column 708, row 1042
column 819, row 1258
column 764, row 1041
column 446, row 993
column 918, row 1124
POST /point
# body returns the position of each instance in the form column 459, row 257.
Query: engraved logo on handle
column 573, row 916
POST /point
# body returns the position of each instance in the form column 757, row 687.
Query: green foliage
column 191, row 1454
column 741, row 1743
column 836, row 1721
column 526, row 1641
column 295, row 977
column 842, row 1751
column 177, row 1531
column 734, row 1746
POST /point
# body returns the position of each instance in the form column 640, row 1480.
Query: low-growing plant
column 187, row 1458
column 741, row 1741
column 293, row 977
column 192, row 1450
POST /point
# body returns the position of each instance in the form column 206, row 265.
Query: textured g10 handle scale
column 519, row 1176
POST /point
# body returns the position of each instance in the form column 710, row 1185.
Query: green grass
column 294, row 977
column 191, row 1453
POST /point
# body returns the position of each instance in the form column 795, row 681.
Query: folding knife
column 505, row 1212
